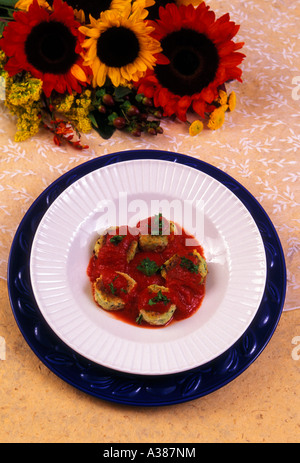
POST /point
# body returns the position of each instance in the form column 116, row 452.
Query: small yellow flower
column 224, row 107
column 232, row 101
column 2, row 57
column 195, row 128
column 63, row 103
column 222, row 99
column 75, row 108
column 24, row 92
column 216, row 118
column 28, row 123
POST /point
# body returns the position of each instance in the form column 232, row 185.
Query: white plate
column 232, row 244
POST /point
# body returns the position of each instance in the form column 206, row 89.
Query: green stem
column 10, row 3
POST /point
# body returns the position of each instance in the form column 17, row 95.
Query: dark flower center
column 93, row 7
column 117, row 47
column 50, row 47
column 193, row 64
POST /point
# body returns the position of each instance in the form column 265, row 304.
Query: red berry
column 147, row 102
column 151, row 131
column 119, row 122
column 108, row 100
column 102, row 109
column 158, row 114
column 136, row 133
column 132, row 111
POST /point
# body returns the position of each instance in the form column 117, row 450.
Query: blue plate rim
column 139, row 390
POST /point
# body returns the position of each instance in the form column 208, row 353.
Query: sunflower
column 48, row 45
column 96, row 7
column 202, row 57
column 153, row 8
column 119, row 46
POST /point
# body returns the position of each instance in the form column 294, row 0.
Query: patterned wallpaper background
column 258, row 145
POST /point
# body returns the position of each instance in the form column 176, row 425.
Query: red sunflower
column 48, row 45
column 202, row 57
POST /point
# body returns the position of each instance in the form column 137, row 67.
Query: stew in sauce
column 148, row 275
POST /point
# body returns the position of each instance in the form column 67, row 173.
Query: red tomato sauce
column 184, row 289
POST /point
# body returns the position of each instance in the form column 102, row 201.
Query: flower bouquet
column 76, row 65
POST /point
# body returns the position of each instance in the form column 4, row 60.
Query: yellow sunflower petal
column 100, row 72
column 90, row 32
column 80, row 16
column 115, row 76
column 78, row 73
column 25, row 4
column 188, row 2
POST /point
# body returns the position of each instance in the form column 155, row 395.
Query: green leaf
column 10, row 3
column 6, row 14
column 113, row 290
column 139, row 319
column 121, row 92
column 93, row 120
column 189, row 265
column 116, row 239
column 159, row 298
column 2, row 25
column 100, row 124
column 148, row 267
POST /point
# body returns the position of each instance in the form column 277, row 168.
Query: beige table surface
column 259, row 145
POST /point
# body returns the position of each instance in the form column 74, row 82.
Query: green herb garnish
column 157, row 225
column 139, row 319
column 159, row 298
column 148, row 267
column 113, row 290
column 116, row 239
column 189, row 265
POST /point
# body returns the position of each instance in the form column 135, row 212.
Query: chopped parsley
column 159, row 298
column 189, row 265
column 148, row 267
column 157, row 226
column 139, row 319
column 116, row 239
column 113, row 290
